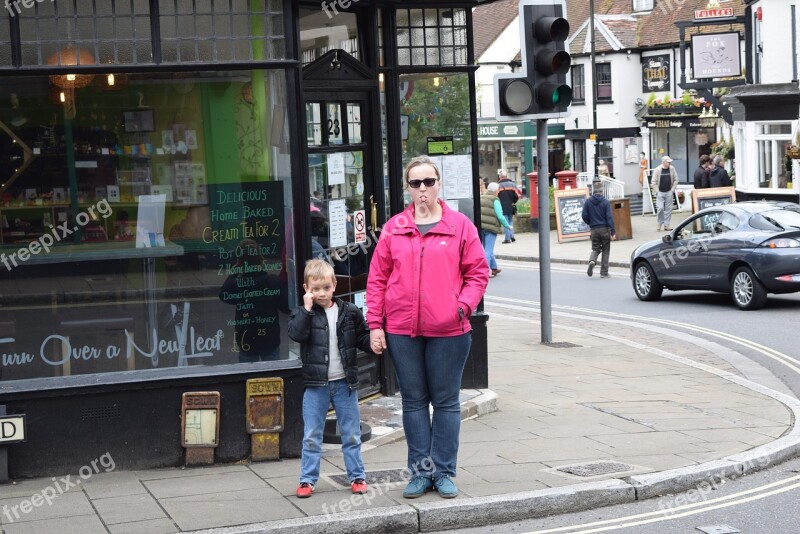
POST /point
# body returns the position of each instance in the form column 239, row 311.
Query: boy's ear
column 305, row 287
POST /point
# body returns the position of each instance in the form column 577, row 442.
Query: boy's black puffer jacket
column 310, row 329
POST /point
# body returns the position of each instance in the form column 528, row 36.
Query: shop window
column 578, row 95
column 604, row 82
column 432, row 37
column 157, row 238
column 437, row 105
column 318, row 35
column 118, row 32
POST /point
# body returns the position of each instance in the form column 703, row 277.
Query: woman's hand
column 377, row 340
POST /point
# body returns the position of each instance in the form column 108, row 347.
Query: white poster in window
column 335, row 169
column 337, row 223
column 456, row 176
column 150, row 221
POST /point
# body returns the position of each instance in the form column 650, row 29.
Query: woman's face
column 423, row 195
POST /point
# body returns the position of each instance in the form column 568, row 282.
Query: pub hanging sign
column 656, row 73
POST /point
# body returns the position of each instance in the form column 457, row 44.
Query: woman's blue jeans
column 429, row 373
column 316, row 401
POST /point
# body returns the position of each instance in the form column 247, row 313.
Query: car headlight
column 783, row 242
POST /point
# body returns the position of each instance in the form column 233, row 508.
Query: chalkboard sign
column 715, row 196
column 569, row 207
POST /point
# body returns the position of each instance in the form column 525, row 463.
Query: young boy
column 329, row 330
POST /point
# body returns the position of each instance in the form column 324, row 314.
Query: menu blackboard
column 247, row 233
column 569, row 207
column 715, row 196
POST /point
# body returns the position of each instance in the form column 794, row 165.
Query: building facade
column 167, row 169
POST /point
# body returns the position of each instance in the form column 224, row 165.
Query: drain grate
column 718, row 529
column 386, row 476
column 596, row 468
column 561, row 345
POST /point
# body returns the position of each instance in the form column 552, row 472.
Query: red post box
column 567, row 179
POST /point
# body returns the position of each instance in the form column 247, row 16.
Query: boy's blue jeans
column 316, row 401
column 429, row 373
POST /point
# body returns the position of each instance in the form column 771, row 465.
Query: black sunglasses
column 429, row 182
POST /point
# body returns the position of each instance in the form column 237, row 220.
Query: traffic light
column 540, row 91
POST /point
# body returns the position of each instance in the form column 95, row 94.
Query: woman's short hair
column 418, row 161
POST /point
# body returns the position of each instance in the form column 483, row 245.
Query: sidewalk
column 602, row 419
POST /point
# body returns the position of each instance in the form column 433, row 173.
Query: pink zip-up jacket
column 417, row 283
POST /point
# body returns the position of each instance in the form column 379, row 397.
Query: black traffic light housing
column 540, row 91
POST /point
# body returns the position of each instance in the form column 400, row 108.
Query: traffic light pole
column 543, row 168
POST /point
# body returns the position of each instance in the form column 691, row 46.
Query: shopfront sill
column 147, row 378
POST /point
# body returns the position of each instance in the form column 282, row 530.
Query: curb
column 395, row 519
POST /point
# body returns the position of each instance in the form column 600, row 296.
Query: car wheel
column 746, row 291
column 645, row 283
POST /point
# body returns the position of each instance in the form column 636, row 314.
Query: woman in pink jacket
column 427, row 276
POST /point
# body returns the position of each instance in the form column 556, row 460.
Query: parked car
column 747, row 249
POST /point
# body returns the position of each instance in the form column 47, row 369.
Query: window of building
column 316, row 37
column 578, row 95
column 158, row 237
column 643, row 5
column 605, row 152
column 603, row 82
column 114, row 32
column 774, row 168
column 431, row 37
column 579, row 156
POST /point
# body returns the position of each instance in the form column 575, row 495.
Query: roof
column 489, row 21
column 618, row 27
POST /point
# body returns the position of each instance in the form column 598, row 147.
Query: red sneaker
column 304, row 490
column 359, row 486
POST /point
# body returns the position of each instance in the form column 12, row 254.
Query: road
column 762, row 503
column 773, row 327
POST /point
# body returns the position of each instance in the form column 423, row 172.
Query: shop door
column 345, row 192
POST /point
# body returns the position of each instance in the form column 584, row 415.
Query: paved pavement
column 615, row 414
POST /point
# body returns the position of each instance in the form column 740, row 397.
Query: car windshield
column 781, row 219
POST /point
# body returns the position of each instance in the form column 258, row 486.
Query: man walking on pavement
column 508, row 197
column 664, row 182
column 597, row 214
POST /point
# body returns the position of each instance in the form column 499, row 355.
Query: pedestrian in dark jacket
column 508, row 195
column 719, row 176
column 597, row 214
column 329, row 331
column 702, row 172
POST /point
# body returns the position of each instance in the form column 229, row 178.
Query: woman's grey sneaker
column 446, row 487
column 417, row 487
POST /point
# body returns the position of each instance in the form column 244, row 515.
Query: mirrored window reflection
column 327, row 28
column 333, row 124
column 432, row 36
column 354, row 122
column 313, row 124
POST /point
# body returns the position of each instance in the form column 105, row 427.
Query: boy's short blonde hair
column 318, row 270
